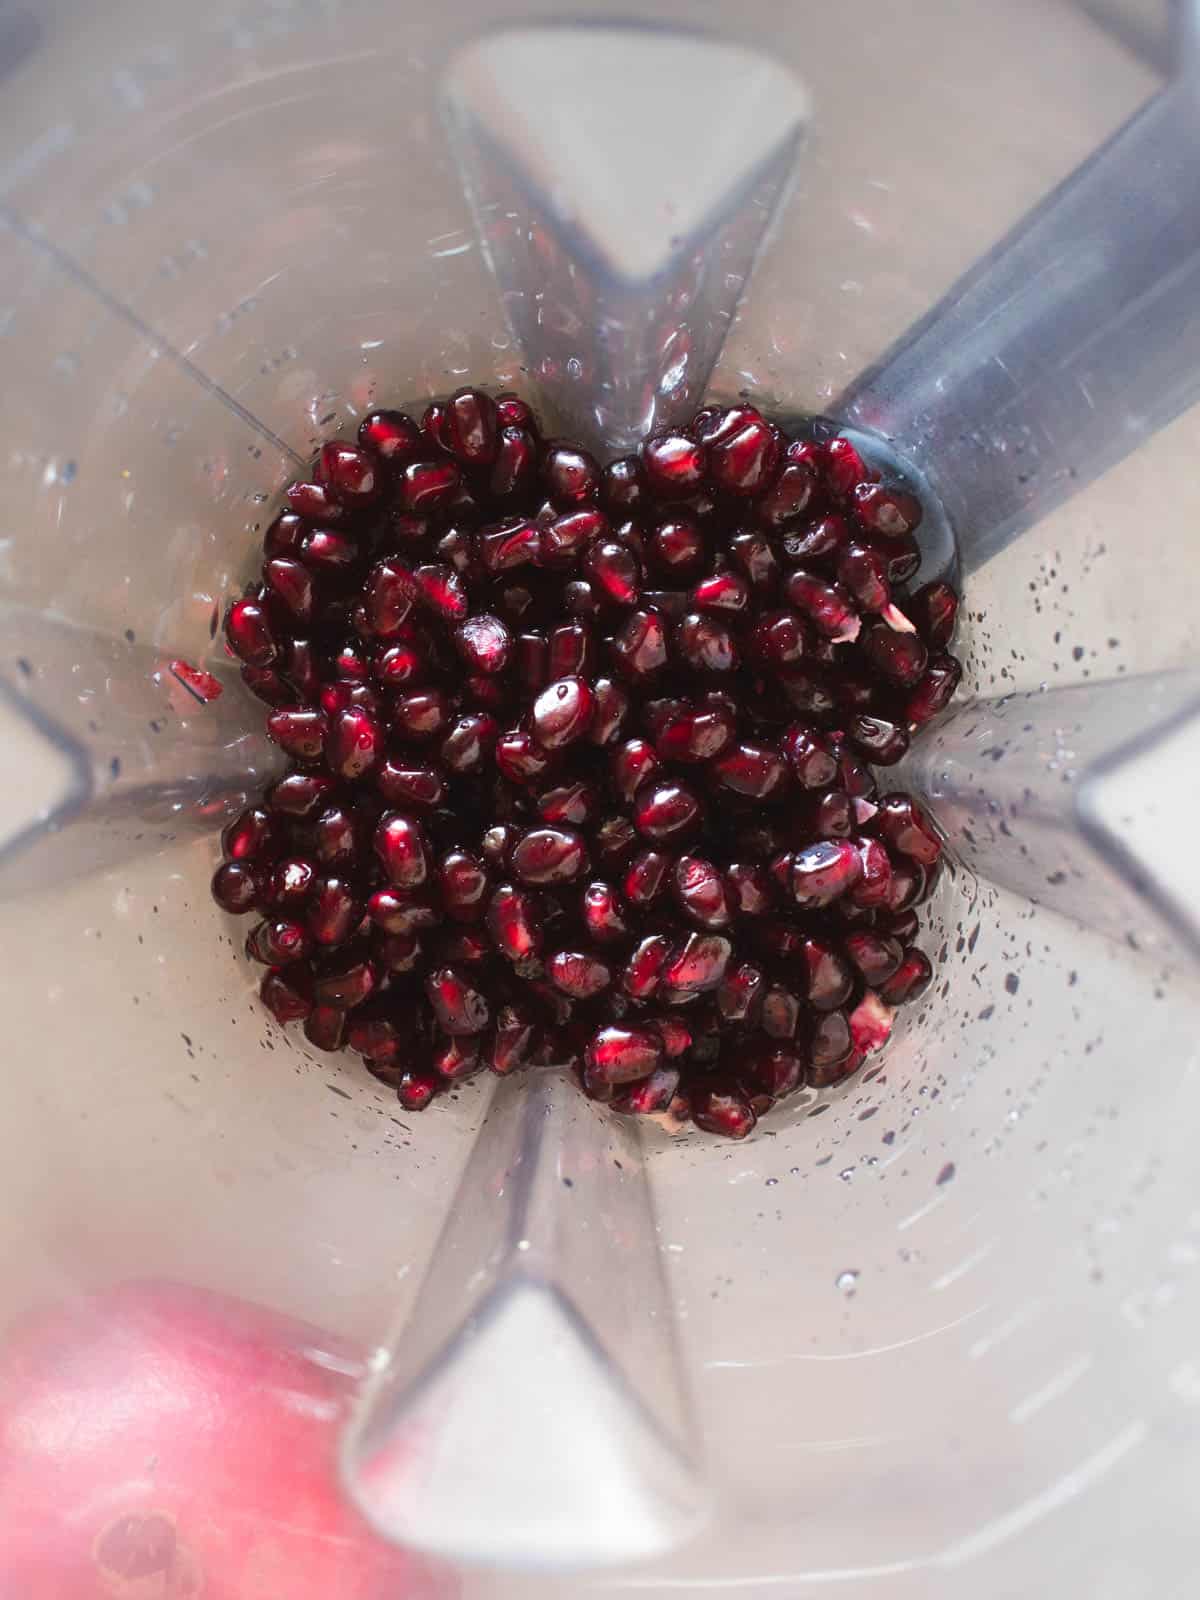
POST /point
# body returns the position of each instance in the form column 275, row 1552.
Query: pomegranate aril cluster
column 582, row 758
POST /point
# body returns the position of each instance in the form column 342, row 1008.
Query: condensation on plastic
column 941, row 1333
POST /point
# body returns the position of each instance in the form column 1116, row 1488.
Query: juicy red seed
column 906, row 888
column 934, row 692
column 345, row 981
column 329, row 551
column 571, row 650
column 615, row 839
column 248, row 631
column 609, row 712
column 875, row 955
column 562, row 713
column 578, row 975
column 602, row 914
column 902, row 657
column 812, row 762
column 788, row 495
column 425, row 486
column 678, row 545
column 353, row 743
column 291, row 583
column 290, row 883
column 464, row 884
column 391, row 435
column 571, row 475
column 334, row 910
column 649, row 1097
column 755, row 559
column 514, row 922
column 934, row 611
column 774, row 1070
column 469, row 427
column 613, row 571
column 457, row 1058
column 875, row 878
column 531, row 655
column 664, row 809
column 442, row 591
column 325, row 1028
column 844, row 469
column 236, row 887
column 350, row 473
column 780, row 1012
column 705, row 644
column 623, row 485
column 821, row 872
column 521, row 758
column 723, row 591
column 511, row 1041
column 574, row 804
column 702, row 892
column 251, row 835
column 470, row 742
column 696, row 735
column 401, row 911
column 391, row 593
column 515, row 464
column 286, row 995
column 752, row 771
column 514, row 542
column 644, row 967
column 645, row 877
column 878, row 740
column 640, row 646
column 567, row 536
column 316, row 502
column 279, row 941
column 513, row 412
column 827, row 605
column 910, row 979
column 743, row 462
column 740, row 993
column 299, row 794
column 888, row 512
column 549, row 856
column 623, row 1055
column 335, row 836
column 418, row 1086
column 459, row 1007
column 401, row 848
column 484, row 643
column 901, row 822
column 298, row 731
column 421, row 714
column 862, row 572
column 410, row 784
column 350, row 665
column 721, row 1108
column 832, row 815
column 285, row 535
column 675, row 465
column 697, row 964
column 819, row 540
column 749, row 888
column 829, row 1046
column 374, row 1034
column 779, row 639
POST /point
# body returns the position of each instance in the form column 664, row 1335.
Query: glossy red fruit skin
column 299, row 794
column 521, row 758
column 623, row 1055
column 279, row 941
column 875, row 880
column 513, row 1038
column 643, row 969
column 345, row 981
column 752, row 554
column 470, row 427
column 574, row 805
column 334, row 911
column 423, row 486
column 610, row 711
column 289, row 884
column 316, row 502
column 514, row 923
column 697, row 963
column 470, row 742
column 464, row 884
column 719, row 1107
column 678, row 547
column 742, row 460
column 418, row 1087
column 603, row 915
column 404, row 782
column 237, row 887
column 402, row 911
column 813, row 764
column 740, row 993
column 934, row 611
column 562, row 713
column 702, row 893
column 674, row 464
column 875, row 955
column 249, row 634
column 878, row 740
column 623, row 485
column 484, row 643
column 749, row 888
column 391, row 594
column 291, row 584
column 506, row 545
column 350, row 473
column 287, row 994
column 571, row 475
column 513, row 470
column 285, row 535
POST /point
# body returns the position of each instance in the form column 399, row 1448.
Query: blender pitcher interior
column 938, row 1328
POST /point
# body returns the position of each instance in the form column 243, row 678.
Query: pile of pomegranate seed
column 581, row 758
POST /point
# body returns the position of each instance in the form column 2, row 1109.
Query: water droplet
column 771, row 1182
column 846, row 1174
column 847, row 1281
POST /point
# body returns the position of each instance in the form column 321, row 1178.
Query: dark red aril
column 774, row 1070
column 300, row 794
column 402, row 911
column 404, row 783
column 563, row 538
column 458, row 1006
column 900, row 657
column 812, row 762
column 546, row 856
column 665, row 810
column 720, row 1107
column 830, row 978
column 291, row 584
column 253, row 834
column 645, row 877
column 900, row 821
column 910, row 979
column 752, row 554
column 289, row 884
column 484, row 643
column 749, row 888
column 649, row 1097
column 702, row 892
column 818, row 540
column 826, row 605
column 878, row 740
column 249, row 633
column 402, row 850
column 571, row 475
column 514, row 922
column 423, row 487
column 509, row 544
column 623, row 1055
column 513, row 470
column 464, row 884
column 674, row 464
column 697, row 963
column 511, row 1041
column 640, row 646
column 610, row 709
column 779, row 639
column 793, row 486
column 722, row 592
column 344, row 980
column 350, row 473
column 334, row 910
column 287, row 995
column 823, row 871
column 743, row 453
column 887, row 512
column 353, row 743
column 421, row 714
column 678, row 546
column 934, row 691
column 705, row 645
column 562, row 713
column 843, row 468
column 603, row 916
column 875, row 877
column 237, row 887
column 934, row 610
column 829, row 1047
column 522, row 759
column 469, row 743
column 325, row 1028
column 875, row 955
column 391, row 435
column 644, row 967
column 278, row 941
column 285, row 535
column 269, row 686
column 469, row 427
column 623, row 485
column 578, row 975
column 751, row 771
column 391, row 593
column 317, row 502
column 418, row 1086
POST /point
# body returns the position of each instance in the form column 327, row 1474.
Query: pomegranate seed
column 268, row 685
column 470, row 427
column 335, row 836
column 755, row 558
column 291, row 583
column 512, row 1040
column 571, row 651
column 827, row 605
column 317, row 502
column 285, row 535
column 300, row 794
column 876, row 956
column 675, row 466
column 353, row 743
column 549, row 856
column 351, row 474
column 910, row 979
column 400, row 846
column 934, row 609
column 616, row 839
column 457, row 1005
column 623, row 485
column 697, row 964
column 663, row 809
column 402, row 784
column 400, row 911
column 723, row 591
column 632, row 763
column 344, row 981
column 752, row 771
column 470, row 742
column 325, row 1028
column 248, row 632
column 418, row 1086
column 391, row 435
column 934, row 691
column 823, row 871
column 513, row 412
column 521, row 758
column 644, row 967
column 678, row 546
column 350, row 665
column 251, row 835
column 290, row 883
column 334, row 911
column 705, row 644
column 743, row 457
column 779, row 639
column 278, row 941
column 887, row 512
column 740, row 993
column 578, row 975
column 773, row 1070
column 645, row 877
column 484, row 643
column 505, row 545
column 425, row 486
column 514, row 923
column 721, row 1108
column 609, row 712
column 391, row 593
column 602, row 914
column 702, row 892
column 421, row 714
column 613, row 571
column 811, row 760
column 640, row 646
column 902, row 657
column 878, row 740
column 515, row 464
column 793, row 487
column 464, row 884
column 903, row 825
column 875, row 878
column 623, row 1055
column 749, row 889
column 286, row 994
column 562, row 713
column 652, row 1095
column 236, row 887
column 844, row 469
column 330, row 551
